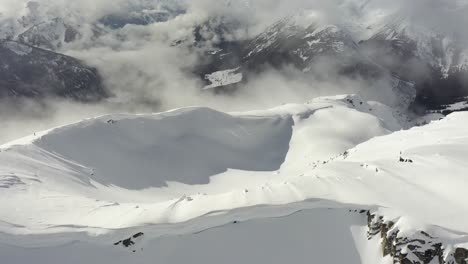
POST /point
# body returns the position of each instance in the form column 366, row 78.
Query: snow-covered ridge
column 139, row 183
column 222, row 154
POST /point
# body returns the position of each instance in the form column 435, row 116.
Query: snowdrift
column 331, row 180
column 186, row 146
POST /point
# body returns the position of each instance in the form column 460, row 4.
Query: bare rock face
column 51, row 35
column 417, row 248
column 435, row 62
column 143, row 13
column 432, row 64
column 26, row 71
column 292, row 42
column 460, row 256
column 289, row 42
column 115, row 21
column 310, row 46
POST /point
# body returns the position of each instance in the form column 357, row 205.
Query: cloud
column 146, row 73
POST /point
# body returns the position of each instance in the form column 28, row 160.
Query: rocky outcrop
column 143, row 13
column 434, row 61
column 50, row 35
column 417, row 248
column 115, row 21
column 417, row 59
column 131, row 242
column 26, row 71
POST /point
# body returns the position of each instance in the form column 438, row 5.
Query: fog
column 145, row 72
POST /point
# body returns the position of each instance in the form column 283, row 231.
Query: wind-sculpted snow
column 183, row 157
column 200, row 185
column 299, row 236
column 186, row 146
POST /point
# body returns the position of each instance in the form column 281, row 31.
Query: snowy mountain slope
column 150, row 13
column 149, row 145
column 415, row 47
column 51, row 35
column 306, row 43
column 26, row 71
column 362, row 40
column 170, row 176
column 46, row 24
column 299, row 237
column 424, row 161
column 137, row 157
column 433, row 59
column 299, row 40
column 368, row 41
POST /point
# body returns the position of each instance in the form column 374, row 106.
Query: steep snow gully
column 334, row 180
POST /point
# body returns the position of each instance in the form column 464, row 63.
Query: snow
column 223, row 155
column 205, row 186
column 253, row 241
column 51, row 33
column 463, row 61
column 148, row 144
column 18, row 48
column 299, row 52
column 222, row 78
column 457, row 106
column 313, row 42
column 338, row 46
column 434, row 180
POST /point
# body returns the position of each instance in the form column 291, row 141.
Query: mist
column 146, row 73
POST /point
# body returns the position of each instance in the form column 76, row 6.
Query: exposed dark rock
column 405, row 160
column 314, row 49
column 142, row 15
column 49, row 35
column 139, row 234
column 115, row 21
column 26, row 71
column 400, row 52
column 128, row 242
column 418, row 249
column 461, row 256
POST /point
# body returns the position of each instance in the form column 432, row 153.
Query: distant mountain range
column 435, row 63
column 26, row 71
column 364, row 44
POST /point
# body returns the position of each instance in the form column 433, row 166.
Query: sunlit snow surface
column 267, row 186
column 222, row 78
